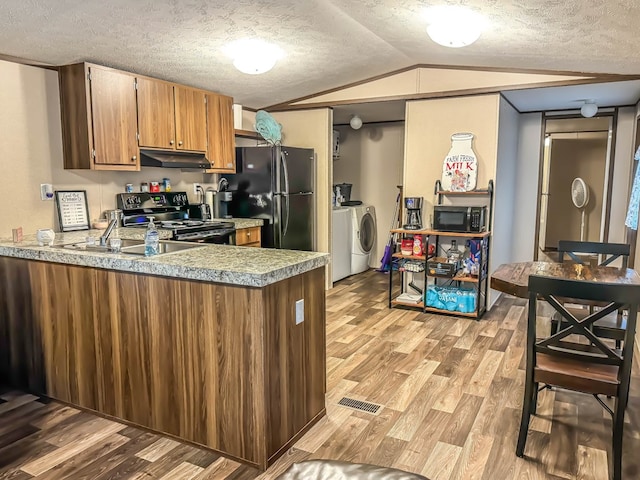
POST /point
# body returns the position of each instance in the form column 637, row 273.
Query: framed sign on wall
column 73, row 210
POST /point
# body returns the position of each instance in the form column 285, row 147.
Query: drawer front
column 246, row 236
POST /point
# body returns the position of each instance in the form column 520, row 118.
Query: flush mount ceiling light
column 454, row 26
column 355, row 122
column 253, row 56
column 589, row 109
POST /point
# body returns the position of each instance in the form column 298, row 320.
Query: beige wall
column 429, row 126
column 31, row 154
column 313, row 129
column 435, row 80
column 371, row 159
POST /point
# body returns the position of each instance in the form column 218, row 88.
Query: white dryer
column 363, row 235
column 341, row 243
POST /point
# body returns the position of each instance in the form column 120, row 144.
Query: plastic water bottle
column 151, row 239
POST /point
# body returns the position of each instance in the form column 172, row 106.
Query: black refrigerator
column 276, row 185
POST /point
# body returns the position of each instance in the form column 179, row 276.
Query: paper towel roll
column 237, row 116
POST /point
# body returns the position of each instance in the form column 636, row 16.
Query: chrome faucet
column 105, row 236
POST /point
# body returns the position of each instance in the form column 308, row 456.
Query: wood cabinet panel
column 21, row 352
column 295, row 357
column 156, row 114
column 221, row 149
column 248, row 237
column 191, row 119
column 75, row 115
column 219, row 365
column 114, row 118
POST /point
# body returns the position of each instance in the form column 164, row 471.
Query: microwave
column 451, row 218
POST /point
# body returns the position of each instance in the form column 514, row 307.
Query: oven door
column 223, row 236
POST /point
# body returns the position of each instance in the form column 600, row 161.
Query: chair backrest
column 609, row 251
column 615, row 296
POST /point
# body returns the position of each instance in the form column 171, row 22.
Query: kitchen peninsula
column 202, row 344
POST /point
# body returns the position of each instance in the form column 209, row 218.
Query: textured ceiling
column 328, row 42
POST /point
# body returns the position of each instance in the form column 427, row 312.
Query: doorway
column 577, row 153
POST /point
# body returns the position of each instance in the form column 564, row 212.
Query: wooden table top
column 513, row 278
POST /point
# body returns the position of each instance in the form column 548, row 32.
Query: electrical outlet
column 46, row 191
column 299, row 311
column 196, row 187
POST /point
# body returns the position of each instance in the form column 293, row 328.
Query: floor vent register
column 360, row 405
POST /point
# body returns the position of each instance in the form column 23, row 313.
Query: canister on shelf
column 128, row 188
column 166, row 183
column 154, row 187
column 144, row 187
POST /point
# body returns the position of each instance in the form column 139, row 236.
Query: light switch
column 299, row 311
column 46, row 191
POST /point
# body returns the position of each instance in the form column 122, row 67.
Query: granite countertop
column 246, row 266
column 242, row 222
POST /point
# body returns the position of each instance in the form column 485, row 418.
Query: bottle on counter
column 151, row 239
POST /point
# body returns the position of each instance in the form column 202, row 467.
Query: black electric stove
column 170, row 211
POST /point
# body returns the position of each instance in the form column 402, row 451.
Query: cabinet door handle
column 170, row 142
column 133, row 159
column 180, row 142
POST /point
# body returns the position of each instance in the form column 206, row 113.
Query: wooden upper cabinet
column 191, row 119
column 156, row 114
column 113, row 107
column 221, row 151
column 99, row 121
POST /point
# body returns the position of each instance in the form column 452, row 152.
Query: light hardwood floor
column 451, row 391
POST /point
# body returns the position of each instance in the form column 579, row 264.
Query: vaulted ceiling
column 328, row 43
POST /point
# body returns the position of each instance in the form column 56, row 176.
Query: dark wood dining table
column 513, row 278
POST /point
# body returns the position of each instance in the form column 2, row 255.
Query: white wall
column 526, row 186
column 371, row 159
column 31, row 154
column 503, row 235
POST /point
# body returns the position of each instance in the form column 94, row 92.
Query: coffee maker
column 413, row 206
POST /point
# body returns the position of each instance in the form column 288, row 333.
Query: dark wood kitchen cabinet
column 191, row 119
column 171, row 117
column 99, row 121
column 156, row 114
column 221, row 149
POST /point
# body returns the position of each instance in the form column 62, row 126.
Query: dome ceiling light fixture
column 589, row 109
column 355, row 122
column 454, row 26
column 252, row 55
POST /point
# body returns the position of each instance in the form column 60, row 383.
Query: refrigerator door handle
column 278, row 221
column 285, row 169
column 286, row 219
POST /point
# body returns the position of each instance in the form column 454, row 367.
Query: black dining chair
column 588, row 366
column 613, row 325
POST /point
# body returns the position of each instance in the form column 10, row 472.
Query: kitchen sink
column 163, row 247
column 90, row 247
column 131, row 247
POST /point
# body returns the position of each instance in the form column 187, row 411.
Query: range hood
column 172, row 159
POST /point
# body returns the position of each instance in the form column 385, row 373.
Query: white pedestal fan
column 580, row 198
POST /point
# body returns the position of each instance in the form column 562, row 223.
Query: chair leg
column 526, row 416
column 534, row 401
column 618, row 426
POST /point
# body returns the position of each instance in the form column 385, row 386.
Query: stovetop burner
column 186, row 223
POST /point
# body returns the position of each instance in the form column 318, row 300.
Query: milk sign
column 460, row 168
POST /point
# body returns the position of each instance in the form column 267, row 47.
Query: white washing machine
column 363, row 236
column 341, row 243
